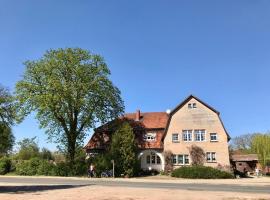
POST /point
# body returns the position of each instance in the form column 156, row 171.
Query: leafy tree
column 123, row 150
column 6, row 139
column 28, row 148
column 261, row 145
column 197, row 155
column 46, row 154
column 243, row 142
column 7, row 119
column 7, row 108
column 70, row 91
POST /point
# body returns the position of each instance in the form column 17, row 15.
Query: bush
column 5, row 165
column 196, row 172
column 46, row 168
column 28, row 167
column 267, row 174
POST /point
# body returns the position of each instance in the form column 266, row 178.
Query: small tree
column 123, row 150
column 197, row 155
column 261, row 145
column 28, row 148
column 168, row 162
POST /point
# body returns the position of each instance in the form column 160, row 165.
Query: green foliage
column 7, row 107
column 70, row 91
column 6, row 139
column 46, row 154
column 28, row 167
column 123, row 151
column 28, row 148
column 261, row 145
column 102, row 162
column 5, row 165
column 200, row 172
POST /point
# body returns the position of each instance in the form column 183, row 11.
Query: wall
column 198, row 118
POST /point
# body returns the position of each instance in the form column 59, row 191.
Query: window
column 211, row 156
column 199, row 135
column 186, row 159
column 187, row 135
column 153, row 160
column 149, row 137
column 182, row 159
column 192, row 105
column 175, row 137
column 174, row 161
column 148, row 159
column 158, row 160
column 213, row 137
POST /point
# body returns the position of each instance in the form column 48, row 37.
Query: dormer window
column 192, row 105
column 149, row 137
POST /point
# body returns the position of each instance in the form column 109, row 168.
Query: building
column 192, row 122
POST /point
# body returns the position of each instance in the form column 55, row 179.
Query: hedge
column 201, row 172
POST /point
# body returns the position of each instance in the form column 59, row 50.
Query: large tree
column 6, row 139
column 7, row 119
column 70, row 91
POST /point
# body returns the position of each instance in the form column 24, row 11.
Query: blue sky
column 159, row 52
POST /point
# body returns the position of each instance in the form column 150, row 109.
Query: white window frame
column 212, row 157
column 187, row 135
column 173, row 140
column 149, row 137
column 184, row 159
column 200, row 132
column 215, row 139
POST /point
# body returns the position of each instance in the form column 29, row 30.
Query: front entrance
column 151, row 160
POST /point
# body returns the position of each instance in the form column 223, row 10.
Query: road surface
column 259, row 189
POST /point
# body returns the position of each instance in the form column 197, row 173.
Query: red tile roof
column 150, row 120
column 244, row 157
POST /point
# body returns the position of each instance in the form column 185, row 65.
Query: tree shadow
column 35, row 188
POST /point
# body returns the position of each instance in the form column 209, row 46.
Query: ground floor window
column 211, row 156
column 153, row 159
column 181, row 159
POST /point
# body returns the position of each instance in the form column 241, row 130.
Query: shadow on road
column 35, row 188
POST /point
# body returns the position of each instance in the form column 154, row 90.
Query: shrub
column 28, row 167
column 5, row 165
column 203, row 172
column 46, row 168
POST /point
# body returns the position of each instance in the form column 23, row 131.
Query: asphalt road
column 135, row 184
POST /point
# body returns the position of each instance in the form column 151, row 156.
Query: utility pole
column 112, row 161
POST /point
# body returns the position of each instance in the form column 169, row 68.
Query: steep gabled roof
column 179, row 106
column 150, row 120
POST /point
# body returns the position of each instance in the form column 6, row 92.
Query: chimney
column 138, row 115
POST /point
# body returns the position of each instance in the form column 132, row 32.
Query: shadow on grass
column 35, row 188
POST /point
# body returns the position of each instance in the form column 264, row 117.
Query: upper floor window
column 192, row 105
column 149, row 137
column 213, row 137
column 175, row 137
column 187, row 135
column 211, row 156
column 199, row 135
